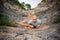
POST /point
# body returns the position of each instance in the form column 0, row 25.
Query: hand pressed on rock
column 30, row 26
column 14, row 21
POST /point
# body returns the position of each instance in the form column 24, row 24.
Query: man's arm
column 41, row 25
column 23, row 23
column 20, row 23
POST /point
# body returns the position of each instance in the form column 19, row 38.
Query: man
column 34, row 22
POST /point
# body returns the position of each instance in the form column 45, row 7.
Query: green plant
column 57, row 20
column 22, row 5
column 28, row 6
column 4, row 21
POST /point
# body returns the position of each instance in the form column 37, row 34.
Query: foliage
column 4, row 21
column 57, row 19
column 22, row 5
column 28, row 6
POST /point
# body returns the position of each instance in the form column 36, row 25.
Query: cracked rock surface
column 50, row 34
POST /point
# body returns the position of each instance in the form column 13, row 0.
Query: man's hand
column 30, row 26
column 14, row 21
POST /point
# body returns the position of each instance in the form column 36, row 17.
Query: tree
column 22, row 5
column 28, row 6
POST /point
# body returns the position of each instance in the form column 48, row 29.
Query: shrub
column 4, row 21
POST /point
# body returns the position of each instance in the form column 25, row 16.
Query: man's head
column 34, row 18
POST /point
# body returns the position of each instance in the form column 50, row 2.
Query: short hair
column 34, row 16
column 30, row 14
